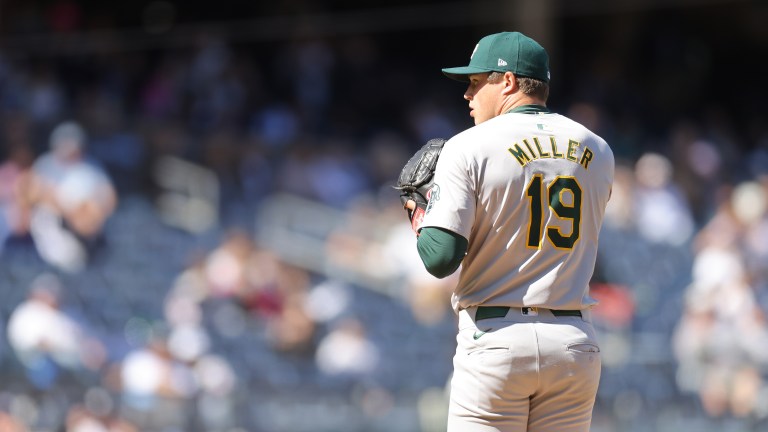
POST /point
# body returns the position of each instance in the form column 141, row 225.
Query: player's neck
column 518, row 100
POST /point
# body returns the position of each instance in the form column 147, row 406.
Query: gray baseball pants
column 528, row 371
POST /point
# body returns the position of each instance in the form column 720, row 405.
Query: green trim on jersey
column 528, row 109
column 441, row 250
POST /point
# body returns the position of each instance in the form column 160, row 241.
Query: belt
column 486, row 312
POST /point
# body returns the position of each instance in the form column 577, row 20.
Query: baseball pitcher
column 517, row 201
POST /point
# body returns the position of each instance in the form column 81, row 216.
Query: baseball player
column 517, row 201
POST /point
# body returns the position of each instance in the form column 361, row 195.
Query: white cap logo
column 502, row 62
column 474, row 51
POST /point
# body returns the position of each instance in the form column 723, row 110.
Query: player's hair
column 529, row 86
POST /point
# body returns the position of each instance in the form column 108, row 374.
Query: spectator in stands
column 217, row 383
column 663, row 213
column 720, row 341
column 238, row 269
column 14, row 178
column 155, row 386
column 291, row 331
column 47, row 340
column 81, row 419
column 347, row 351
column 72, row 198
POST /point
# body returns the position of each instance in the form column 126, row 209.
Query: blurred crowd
column 314, row 313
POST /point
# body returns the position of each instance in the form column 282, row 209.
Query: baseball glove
column 416, row 180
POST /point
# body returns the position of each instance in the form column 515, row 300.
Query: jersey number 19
column 554, row 194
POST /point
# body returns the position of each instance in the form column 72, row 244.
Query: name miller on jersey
column 524, row 157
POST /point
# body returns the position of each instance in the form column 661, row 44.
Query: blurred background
column 198, row 230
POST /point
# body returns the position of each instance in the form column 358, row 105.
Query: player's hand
column 416, row 212
column 415, row 215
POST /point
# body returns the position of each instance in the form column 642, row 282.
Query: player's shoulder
column 473, row 135
column 579, row 132
column 568, row 123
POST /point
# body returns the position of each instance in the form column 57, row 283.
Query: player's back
column 541, row 183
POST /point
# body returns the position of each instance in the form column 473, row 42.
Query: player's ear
column 510, row 83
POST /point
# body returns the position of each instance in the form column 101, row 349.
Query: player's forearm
column 441, row 251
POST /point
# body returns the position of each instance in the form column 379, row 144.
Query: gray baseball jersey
column 527, row 188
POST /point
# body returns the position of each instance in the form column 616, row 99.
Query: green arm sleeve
column 441, row 250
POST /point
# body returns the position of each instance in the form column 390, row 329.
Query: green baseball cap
column 505, row 52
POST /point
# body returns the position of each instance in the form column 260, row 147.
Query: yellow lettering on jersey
column 519, row 154
column 523, row 156
column 586, row 157
column 542, row 153
column 530, row 150
column 553, row 144
column 571, row 149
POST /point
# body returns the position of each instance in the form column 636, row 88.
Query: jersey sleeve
column 452, row 199
column 441, row 251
